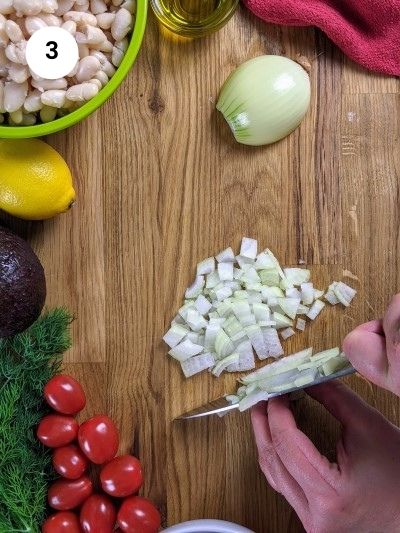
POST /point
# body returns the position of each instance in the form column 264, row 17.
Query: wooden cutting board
column 162, row 184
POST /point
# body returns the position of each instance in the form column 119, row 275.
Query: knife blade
column 221, row 406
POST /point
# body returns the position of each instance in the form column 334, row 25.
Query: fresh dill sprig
column 27, row 362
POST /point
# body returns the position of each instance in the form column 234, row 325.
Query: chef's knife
column 221, row 406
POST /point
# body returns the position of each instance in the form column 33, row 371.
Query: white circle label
column 52, row 53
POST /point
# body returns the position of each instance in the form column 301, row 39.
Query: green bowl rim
column 40, row 130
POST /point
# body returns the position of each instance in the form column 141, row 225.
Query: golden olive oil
column 194, row 18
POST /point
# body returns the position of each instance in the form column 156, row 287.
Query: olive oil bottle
column 194, row 18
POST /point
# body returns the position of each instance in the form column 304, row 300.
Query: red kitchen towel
column 368, row 31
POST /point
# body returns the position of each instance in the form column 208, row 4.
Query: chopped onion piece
column 234, row 285
column 334, row 365
column 241, row 295
column 344, row 293
column 232, row 398
column 331, row 298
column 202, row 304
column 212, row 280
column 211, row 335
column 226, row 256
column 332, row 352
column 261, row 312
column 232, row 326
column 223, row 345
column 185, row 349
column 216, row 320
column 237, row 273
column 206, row 267
column 224, row 363
column 302, row 309
column 282, row 321
column 194, row 337
column 195, row 289
column 174, row 335
column 183, row 311
column 301, row 324
column 318, row 294
column 315, row 310
column 223, row 293
column 239, row 337
column 225, row 271
column 257, row 340
column 307, row 293
column 224, row 309
column 178, row 320
column 195, row 320
column 276, row 262
column 275, row 380
column 293, row 293
column 242, row 311
column 286, row 363
column 307, row 378
column 252, row 399
column 269, row 277
column 197, row 364
column 296, row 275
column 272, row 342
column 289, row 306
column 250, row 276
column 244, row 261
column 248, row 248
column 264, row 261
column 288, row 332
column 254, row 297
column 246, row 358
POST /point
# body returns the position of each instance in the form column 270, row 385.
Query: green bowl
column 40, row 130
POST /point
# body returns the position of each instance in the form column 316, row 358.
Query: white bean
column 49, row 6
column 17, row 52
column 104, row 20
column 122, row 24
column 14, row 31
column 50, row 20
column 119, row 51
column 98, row 6
column 129, row 5
column 27, row 7
column 6, row 7
column 33, row 102
column 46, row 85
column 82, row 6
column 54, row 98
column 81, row 18
column 28, row 120
column 82, row 92
column 96, row 82
column 69, row 26
column 105, row 64
column 14, row 95
column 18, row 73
column 3, row 33
column 47, row 113
column 16, row 116
column 88, row 66
column 33, row 24
column 105, row 46
column 64, row 6
column 102, row 77
column 93, row 35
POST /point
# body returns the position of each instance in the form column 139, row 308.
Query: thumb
column 365, row 347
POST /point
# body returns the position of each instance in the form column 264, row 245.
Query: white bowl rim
column 207, row 526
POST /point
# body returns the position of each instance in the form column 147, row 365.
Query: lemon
column 35, row 181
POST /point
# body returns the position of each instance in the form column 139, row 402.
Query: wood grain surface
column 162, row 184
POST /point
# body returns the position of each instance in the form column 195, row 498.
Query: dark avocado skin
column 22, row 284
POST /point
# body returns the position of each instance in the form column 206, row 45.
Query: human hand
column 358, row 493
column 374, row 348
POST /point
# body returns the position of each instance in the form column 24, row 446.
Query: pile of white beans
column 100, row 28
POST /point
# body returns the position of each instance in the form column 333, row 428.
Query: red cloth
column 368, row 31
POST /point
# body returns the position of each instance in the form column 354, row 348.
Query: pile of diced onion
column 240, row 307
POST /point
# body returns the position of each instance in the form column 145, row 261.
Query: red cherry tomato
column 66, row 494
column 98, row 439
column 138, row 515
column 122, row 476
column 98, row 515
column 69, row 461
column 57, row 430
column 65, row 395
column 63, row 522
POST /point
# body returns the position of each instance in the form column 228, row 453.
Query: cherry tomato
column 66, row 494
column 98, row 439
column 57, row 430
column 138, row 515
column 122, row 476
column 63, row 522
column 65, row 395
column 69, row 461
column 98, row 515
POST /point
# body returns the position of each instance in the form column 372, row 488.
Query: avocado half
column 22, row 284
